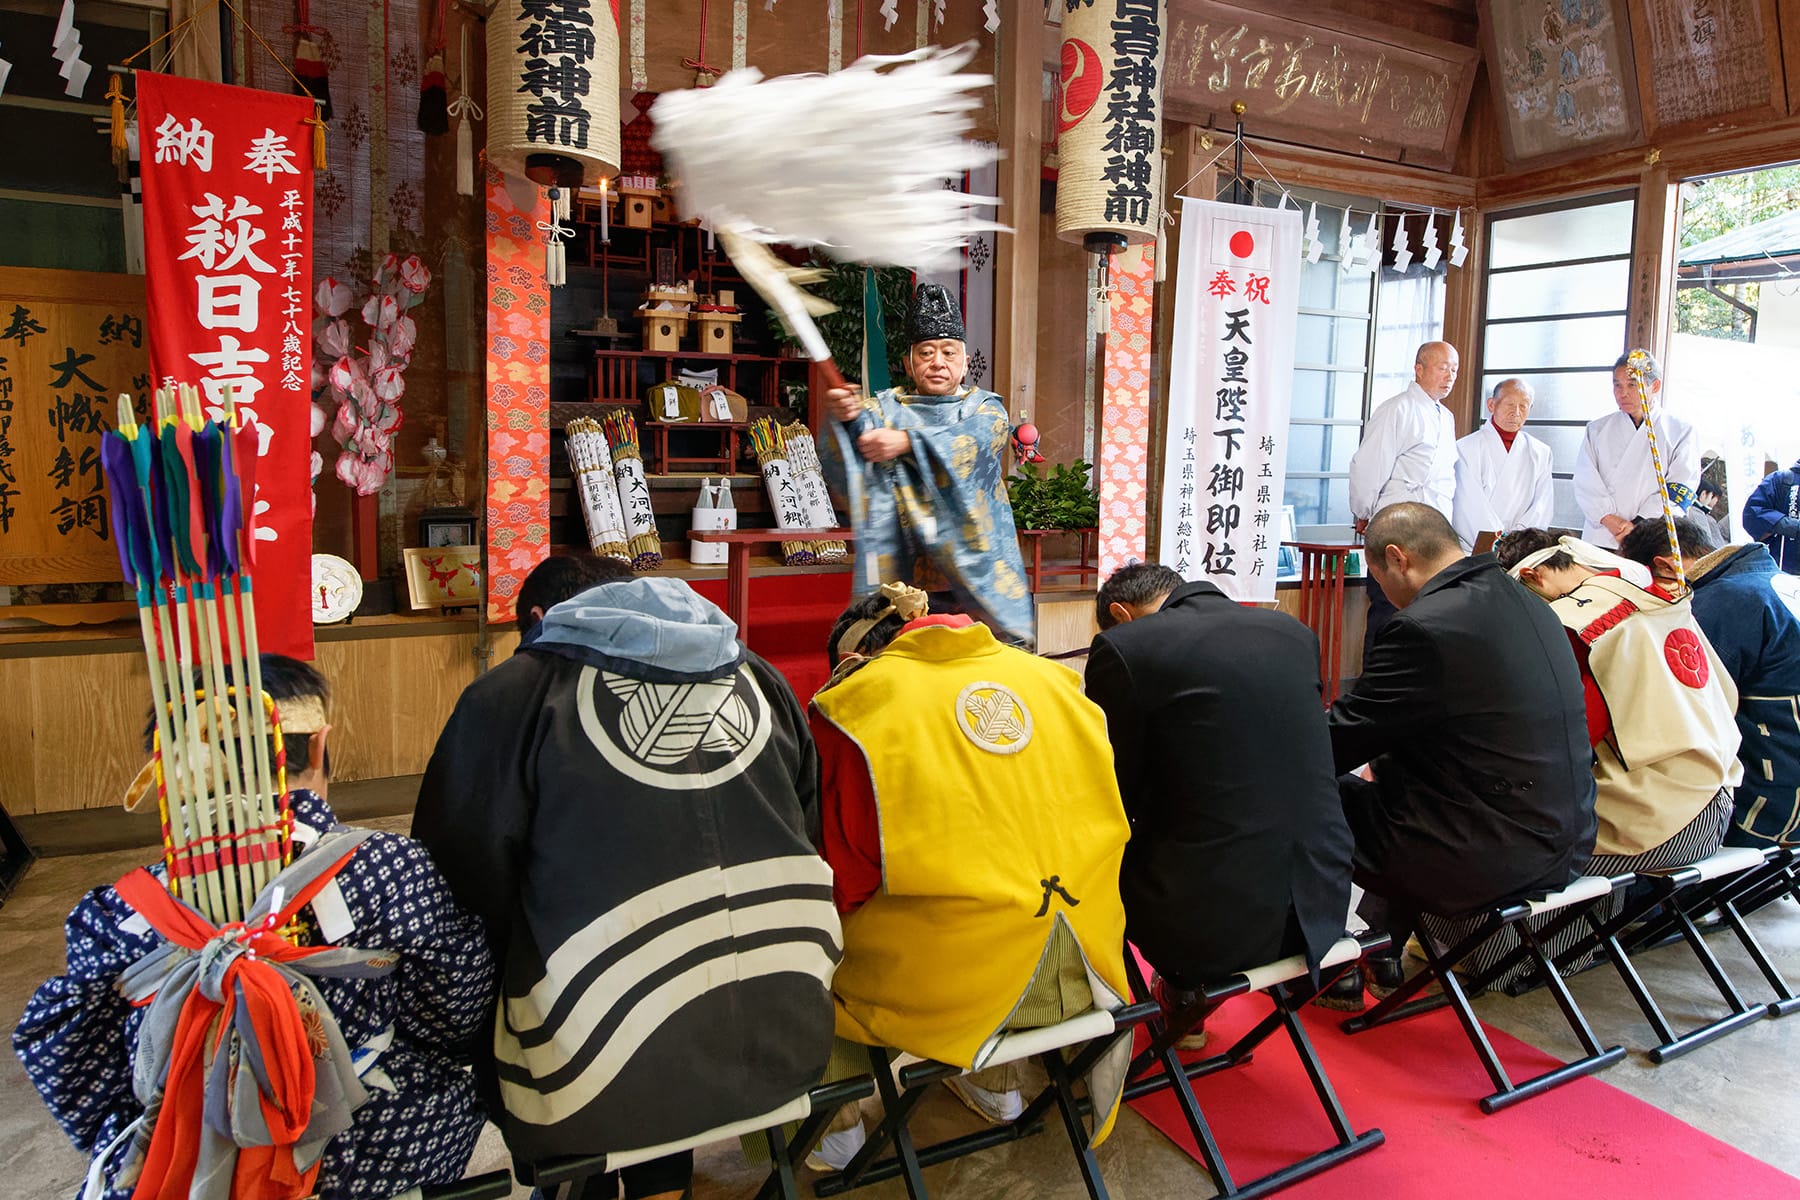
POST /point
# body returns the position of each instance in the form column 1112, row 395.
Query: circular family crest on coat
column 993, row 717
column 682, row 736
column 1686, row 657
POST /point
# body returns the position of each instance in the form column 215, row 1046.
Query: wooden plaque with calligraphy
column 1707, row 59
column 1564, row 81
column 1352, row 85
column 70, row 343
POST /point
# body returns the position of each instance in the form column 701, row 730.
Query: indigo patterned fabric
column 78, row 1034
column 939, row 517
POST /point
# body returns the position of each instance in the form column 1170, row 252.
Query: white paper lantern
column 553, row 90
column 1109, row 177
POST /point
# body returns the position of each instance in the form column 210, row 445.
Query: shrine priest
column 1502, row 472
column 922, row 474
column 1615, row 477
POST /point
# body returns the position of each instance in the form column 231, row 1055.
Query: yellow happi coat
column 1000, row 817
column 1674, row 737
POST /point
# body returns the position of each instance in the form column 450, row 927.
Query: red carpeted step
column 790, row 619
column 1418, row 1082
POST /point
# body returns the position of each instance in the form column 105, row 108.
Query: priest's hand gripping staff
column 183, row 507
column 852, row 163
column 1638, row 364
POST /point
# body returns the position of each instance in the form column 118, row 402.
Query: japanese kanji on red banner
column 228, row 268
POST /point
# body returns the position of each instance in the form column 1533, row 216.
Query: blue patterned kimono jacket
column 938, row 517
column 78, row 1035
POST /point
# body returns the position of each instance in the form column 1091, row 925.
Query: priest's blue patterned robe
column 938, row 516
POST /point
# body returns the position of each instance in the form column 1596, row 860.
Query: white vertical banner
column 1231, row 377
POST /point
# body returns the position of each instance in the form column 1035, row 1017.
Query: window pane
column 1333, row 395
column 1319, row 502
column 1568, row 513
column 1563, row 396
column 1322, row 285
column 1564, row 442
column 1588, row 287
column 1582, row 342
column 1332, row 341
column 1590, row 232
column 1322, row 447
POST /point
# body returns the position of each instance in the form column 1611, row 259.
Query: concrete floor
column 1739, row 1090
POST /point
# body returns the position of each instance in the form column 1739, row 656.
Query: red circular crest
column 1080, row 82
column 1686, row 657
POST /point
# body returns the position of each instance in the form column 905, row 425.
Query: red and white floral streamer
column 1125, row 432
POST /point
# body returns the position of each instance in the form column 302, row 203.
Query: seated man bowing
column 1757, row 638
column 921, row 475
column 974, row 827
column 1469, row 709
column 628, row 804
column 413, row 983
column 1239, row 853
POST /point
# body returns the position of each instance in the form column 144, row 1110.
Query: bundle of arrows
column 183, row 497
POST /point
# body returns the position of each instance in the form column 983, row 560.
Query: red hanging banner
column 228, row 193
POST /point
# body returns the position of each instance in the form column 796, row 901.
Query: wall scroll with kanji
column 1231, row 376
column 228, row 195
column 70, row 343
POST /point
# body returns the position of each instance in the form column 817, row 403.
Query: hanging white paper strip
column 1313, row 245
column 890, row 13
column 65, row 48
column 991, row 10
column 1372, row 244
column 1403, row 254
column 1434, row 252
column 1459, row 250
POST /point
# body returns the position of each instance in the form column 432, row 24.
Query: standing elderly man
column 921, row 473
column 1408, row 453
column 1470, row 711
column 1615, row 479
column 1502, row 473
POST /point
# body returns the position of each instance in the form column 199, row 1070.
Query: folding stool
column 1778, row 878
column 1714, row 883
column 903, row 1084
column 1277, row 981
column 568, row 1178
column 1577, row 900
column 495, row 1185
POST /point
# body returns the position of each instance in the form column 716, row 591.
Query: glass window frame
column 1561, row 480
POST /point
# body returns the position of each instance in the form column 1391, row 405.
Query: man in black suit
column 1239, row 853
column 1470, row 711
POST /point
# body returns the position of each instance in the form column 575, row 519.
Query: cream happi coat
column 1614, row 473
column 1408, row 452
column 1501, row 490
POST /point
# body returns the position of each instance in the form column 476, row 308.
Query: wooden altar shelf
column 617, row 380
column 1086, row 566
column 663, row 462
column 1323, row 570
column 737, row 566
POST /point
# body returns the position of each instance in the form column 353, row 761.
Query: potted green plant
column 1059, row 501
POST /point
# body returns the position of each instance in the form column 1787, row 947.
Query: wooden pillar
column 1653, row 260
column 1020, row 89
column 1463, row 306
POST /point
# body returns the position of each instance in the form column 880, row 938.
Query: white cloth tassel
column 556, row 259
column 465, row 158
column 852, row 161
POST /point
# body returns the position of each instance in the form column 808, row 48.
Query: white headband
column 1590, row 556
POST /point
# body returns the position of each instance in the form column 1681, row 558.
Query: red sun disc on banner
column 1242, row 243
column 1080, row 83
column 1686, row 657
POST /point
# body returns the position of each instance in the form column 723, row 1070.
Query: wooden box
column 636, row 208
column 663, row 331
column 715, row 331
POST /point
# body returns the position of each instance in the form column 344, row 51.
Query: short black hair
column 1652, row 372
column 1135, row 583
column 1648, row 539
column 563, row 577
column 879, row 635
column 283, row 678
column 1419, row 529
column 1511, row 548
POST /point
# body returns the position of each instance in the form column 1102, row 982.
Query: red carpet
column 1419, row 1082
column 790, row 619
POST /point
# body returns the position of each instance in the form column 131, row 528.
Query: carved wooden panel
column 1349, row 85
column 1563, row 77
column 1709, row 58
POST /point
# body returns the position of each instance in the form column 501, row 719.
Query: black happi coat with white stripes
column 628, row 804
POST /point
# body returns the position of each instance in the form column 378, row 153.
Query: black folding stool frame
column 1682, row 892
column 900, row 1098
column 1442, row 968
column 495, row 1185
column 1165, row 1033
column 574, row 1173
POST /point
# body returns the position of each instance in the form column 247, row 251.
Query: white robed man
column 1502, row 472
column 1408, row 453
column 1615, row 480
